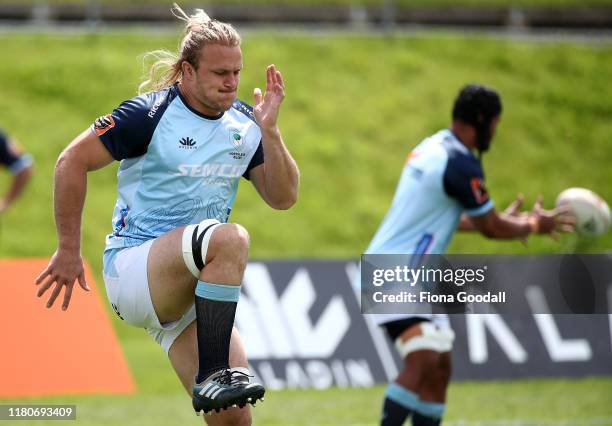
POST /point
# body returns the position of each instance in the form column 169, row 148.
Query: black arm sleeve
column 464, row 181
column 127, row 131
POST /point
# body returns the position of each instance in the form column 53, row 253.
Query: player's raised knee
column 233, row 235
column 232, row 239
column 211, row 241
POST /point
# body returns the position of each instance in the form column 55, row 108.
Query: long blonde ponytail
column 200, row 30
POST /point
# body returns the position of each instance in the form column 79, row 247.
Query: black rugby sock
column 419, row 419
column 215, row 306
column 394, row 414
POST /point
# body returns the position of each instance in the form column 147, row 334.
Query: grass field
column 355, row 106
column 537, row 402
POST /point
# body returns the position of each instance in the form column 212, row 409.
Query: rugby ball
column 591, row 211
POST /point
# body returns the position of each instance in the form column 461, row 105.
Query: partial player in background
column 172, row 264
column 19, row 165
column 442, row 189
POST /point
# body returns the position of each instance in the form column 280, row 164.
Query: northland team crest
column 237, row 142
column 236, row 139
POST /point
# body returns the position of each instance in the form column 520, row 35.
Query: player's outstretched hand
column 514, row 209
column 63, row 269
column 267, row 105
column 551, row 222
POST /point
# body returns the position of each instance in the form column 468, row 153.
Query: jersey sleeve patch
column 479, row 191
column 103, row 124
column 464, row 180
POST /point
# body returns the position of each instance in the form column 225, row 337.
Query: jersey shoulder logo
column 104, row 124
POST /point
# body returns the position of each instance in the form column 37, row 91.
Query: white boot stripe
column 205, row 388
column 214, row 395
column 211, row 390
column 207, row 392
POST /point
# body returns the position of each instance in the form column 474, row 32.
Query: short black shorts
column 396, row 328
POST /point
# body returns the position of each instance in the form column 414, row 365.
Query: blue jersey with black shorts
column 441, row 179
column 178, row 166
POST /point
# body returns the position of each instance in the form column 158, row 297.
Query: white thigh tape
column 433, row 338
column 195, row 244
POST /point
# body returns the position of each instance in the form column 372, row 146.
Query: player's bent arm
column 513, row 210
column 501, row 226
column 466, row 224
column 277, row 179
column 84, row 154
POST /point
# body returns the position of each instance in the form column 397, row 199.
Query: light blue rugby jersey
column 441, row 179
column 178, row 166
